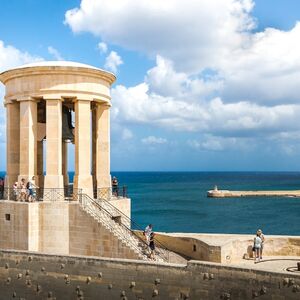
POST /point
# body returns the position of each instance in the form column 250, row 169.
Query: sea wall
column 26, row 275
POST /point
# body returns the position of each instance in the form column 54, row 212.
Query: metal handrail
column 136, row 226
column 41, row 194
column 112, row 225
column 109, row 192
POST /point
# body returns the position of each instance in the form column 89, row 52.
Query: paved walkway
column 272, row 263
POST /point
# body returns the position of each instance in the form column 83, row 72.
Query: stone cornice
column 52, row 70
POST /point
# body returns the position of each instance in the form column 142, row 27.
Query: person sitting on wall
column 115, row 186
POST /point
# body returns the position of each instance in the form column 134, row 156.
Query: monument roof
column 54, row 65
column 58, row 63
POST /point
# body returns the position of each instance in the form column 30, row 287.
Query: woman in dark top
column 151, row 245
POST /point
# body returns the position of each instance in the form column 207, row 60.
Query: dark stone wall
column 25, row 275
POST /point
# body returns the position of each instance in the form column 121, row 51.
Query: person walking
column 152, row 246
column 31, row 188
column 147, row 233
column 257, row 248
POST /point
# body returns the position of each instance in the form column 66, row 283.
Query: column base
column 85, row 183
column 54, row 182
column 103, row 181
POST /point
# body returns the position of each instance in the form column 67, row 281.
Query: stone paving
column 285, row 264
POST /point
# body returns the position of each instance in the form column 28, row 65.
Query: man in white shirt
column 147, row 233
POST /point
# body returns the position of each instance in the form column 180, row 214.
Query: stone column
column 83, row 178
column 103, row 146
column 28, row 139
column 94, row 147
column 54, row 177
column 40, row 163
column 12, row 143
column 65, row 163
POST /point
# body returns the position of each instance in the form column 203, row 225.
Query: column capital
column 53, row 98
column 82, row 100
column 104, row 105
column 27, row 98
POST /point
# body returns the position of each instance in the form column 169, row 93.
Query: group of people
column 258, row 246
column 25, row 191
column 149, row 235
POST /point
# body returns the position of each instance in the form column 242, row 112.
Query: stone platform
column 226, row 193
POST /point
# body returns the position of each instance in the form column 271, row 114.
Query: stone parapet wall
column 225, row 248
column 39, row 276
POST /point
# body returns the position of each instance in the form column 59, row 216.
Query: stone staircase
column 121, row 231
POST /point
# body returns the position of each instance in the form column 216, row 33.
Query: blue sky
column 208, row 85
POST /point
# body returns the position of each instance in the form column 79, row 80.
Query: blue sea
column 177, row 201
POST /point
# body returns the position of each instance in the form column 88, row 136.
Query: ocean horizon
column 176, row 201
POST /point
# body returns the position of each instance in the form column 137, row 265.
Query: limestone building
column 44, row 101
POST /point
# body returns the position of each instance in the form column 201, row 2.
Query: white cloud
column 10, row 57
column 179, row 30
column 152, row 140
column 55, row 53
column 102, row 47
column 213, row 74
column 113, row 61
column 127, row 134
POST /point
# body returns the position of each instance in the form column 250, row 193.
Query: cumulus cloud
column 55, row 53
column 113, row 61
column 102, row 47
column 10, row 57
column 180, row 30
column 213, row 74
column 152, row 140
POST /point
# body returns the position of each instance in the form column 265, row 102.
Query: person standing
column 23, row 190
column 1, row 188
column 16, row 191
column 115, row 186
column 152, row 245
column 31, row 187
column 261, row 235
column 257, row 247
column 147, row 233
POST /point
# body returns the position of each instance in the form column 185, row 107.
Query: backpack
column 27, row 185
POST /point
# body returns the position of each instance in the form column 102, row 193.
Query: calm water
column 177, row 202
